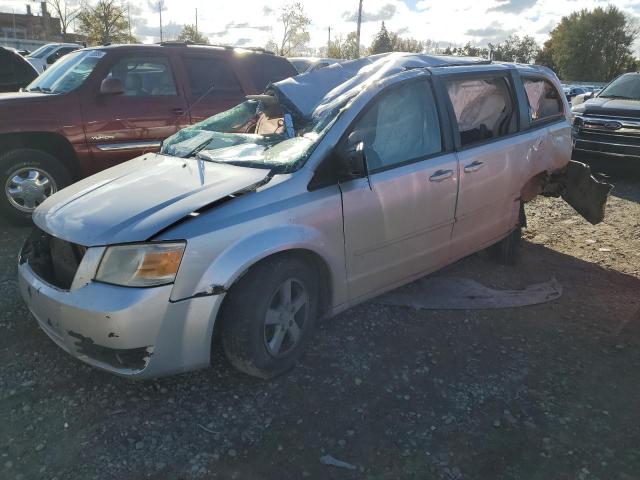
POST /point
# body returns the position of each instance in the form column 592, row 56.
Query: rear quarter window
column 544, row 99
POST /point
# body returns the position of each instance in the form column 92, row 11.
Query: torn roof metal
column 311, row 93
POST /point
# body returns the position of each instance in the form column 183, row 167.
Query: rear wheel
column 28, row 177
column 269, row 316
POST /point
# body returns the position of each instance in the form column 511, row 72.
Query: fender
column 238, row 257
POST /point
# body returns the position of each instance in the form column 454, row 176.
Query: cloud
column 550, row 25
column 494, row 33
column 386, row 12
column 513, row 6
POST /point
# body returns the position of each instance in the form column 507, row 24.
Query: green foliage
column 516, row 49
column 346, row 48
column 190, row 34
column 106, row 22
column 381, row 42
column 467, row 51
column 591, row 45
column 399, row 44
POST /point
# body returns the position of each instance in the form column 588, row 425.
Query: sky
column 254, row 22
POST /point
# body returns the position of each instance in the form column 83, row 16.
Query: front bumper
column 132, row 332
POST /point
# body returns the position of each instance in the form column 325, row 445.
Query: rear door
column 491, row 152
column 212, row 85
column 398, row 222
column 152, row 107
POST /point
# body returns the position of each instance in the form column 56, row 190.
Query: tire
column 21, row 163
column 248, row 338
column 506, row 251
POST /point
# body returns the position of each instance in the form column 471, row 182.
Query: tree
column 346, row 48
column 66, row 15
column 295, row 33
column 399, row 44
column 516, row 49
column 190, row 34
column 545, row 56
column 106, row 22
column 381, row 42
column 591, row 45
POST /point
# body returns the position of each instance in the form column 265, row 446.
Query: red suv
column 97, row 107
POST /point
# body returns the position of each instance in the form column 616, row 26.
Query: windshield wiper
column 40, row 89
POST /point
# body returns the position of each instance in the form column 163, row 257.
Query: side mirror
column 111, row 86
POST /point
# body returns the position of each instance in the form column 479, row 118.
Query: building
column 29, row 30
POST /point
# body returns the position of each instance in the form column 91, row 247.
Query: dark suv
column 101, row 106
column 607, row 126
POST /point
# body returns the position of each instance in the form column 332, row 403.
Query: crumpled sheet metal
column 311, row 93
column 451, row 293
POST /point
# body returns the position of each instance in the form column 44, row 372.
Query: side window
column 402, row 125
column 544, row 99
column 483, row 107
column 145, row 76
column 210, row 74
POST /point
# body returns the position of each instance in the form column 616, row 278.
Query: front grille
column 54, row 260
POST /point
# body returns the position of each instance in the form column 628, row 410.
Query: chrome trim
column 110, row 147
column 612, row 144
column 600, row 121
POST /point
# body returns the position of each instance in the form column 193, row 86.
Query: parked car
column 308, row 64
column 48, row 54
column 101, row 106
column 572, row 91
column 332, row 188
column 15, row 71
column 607, row 126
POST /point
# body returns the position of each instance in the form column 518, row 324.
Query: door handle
column 441, row 175
column 473, row 166
column 178, row 111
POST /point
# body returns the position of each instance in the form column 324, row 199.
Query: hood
column 20, row 96
column 610, row 107
column 134, row 200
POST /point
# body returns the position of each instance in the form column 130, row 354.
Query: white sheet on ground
column 451, row 293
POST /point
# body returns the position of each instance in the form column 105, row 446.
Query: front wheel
column 29, row 176
column 269, row 316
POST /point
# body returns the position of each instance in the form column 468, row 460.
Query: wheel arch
column 314, row 259
column 49, row 142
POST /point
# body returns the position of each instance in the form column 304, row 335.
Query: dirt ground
column 550, row 391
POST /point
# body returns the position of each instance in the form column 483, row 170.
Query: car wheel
column 506, row 251
column 28, row 177
column 269, row 316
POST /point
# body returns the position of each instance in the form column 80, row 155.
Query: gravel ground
column 550, row 391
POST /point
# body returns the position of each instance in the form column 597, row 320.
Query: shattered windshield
column 257, row 133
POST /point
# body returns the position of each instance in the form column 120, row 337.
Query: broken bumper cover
column 132, row 332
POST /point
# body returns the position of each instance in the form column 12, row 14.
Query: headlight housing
column 141, row 264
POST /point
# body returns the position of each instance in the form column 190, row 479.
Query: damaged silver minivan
column 333, row 187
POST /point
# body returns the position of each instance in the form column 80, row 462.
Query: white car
column 47, row 54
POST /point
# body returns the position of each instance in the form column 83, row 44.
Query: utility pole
column 329, row 42
column 160, row 5
column 196, row 22
column 358, row 30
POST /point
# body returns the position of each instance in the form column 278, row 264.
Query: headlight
column 141, row 265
